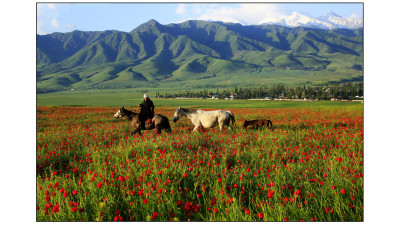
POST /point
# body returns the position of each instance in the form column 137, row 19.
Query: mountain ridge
column 186, row 52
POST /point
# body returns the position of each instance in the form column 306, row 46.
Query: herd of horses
column 199, row 118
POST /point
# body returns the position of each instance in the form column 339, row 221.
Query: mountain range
column 198, row 54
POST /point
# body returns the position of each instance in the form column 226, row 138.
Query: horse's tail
column 269, row 123
column 232, row 117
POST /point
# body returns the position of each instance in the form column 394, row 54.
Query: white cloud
column 49, row 21
column 52, row 6
column 197, row 8
column 249, row 13
column 355, row 16
column 54, row 23
column 181, row 9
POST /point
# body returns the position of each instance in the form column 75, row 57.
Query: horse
column 158, row 122
column 206, row 119
column 257, row 123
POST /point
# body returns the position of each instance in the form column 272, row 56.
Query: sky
column 66, row 17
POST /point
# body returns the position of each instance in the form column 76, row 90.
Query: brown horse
column 257, row 123
column 158, row 122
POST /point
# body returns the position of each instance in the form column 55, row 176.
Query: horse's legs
column 168, row 128
column 135, row 131
column 221, row 126
column 195, row 128
column 158, row 130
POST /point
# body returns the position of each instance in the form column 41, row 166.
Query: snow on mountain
column 352, row 22
column 328, row 21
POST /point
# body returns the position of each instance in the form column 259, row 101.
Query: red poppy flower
column 328, row 209
column 74, row 209
column 343, row 191
column 215, row 210
column 185, row 175
column 56, row 208
column 74, row 192
column 121, row 178
column 247, row 211
column 145, row 201
column 270, row 194
column 260, row 215
column 65, row 194
column 99, row 184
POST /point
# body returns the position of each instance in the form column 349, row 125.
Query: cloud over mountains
column 255, row 14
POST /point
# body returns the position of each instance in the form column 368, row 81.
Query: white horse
column 206, row 119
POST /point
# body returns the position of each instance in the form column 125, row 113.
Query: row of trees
column 323, row 92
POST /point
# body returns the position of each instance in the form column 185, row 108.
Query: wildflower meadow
column 307, row 167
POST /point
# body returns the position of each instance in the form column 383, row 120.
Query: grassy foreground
column 131, row 98
column 308, row 167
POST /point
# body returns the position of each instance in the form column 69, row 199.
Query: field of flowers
column 307, row 167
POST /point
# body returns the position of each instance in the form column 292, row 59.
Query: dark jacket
column 147, row 109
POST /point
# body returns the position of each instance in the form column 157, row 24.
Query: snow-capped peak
column 330, row 20
column 330, row 14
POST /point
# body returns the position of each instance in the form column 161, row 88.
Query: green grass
column 132, row 97
column 284, row 172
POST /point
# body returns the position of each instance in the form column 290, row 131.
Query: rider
column 147, row 110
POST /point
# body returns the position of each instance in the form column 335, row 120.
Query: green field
column 130, row 98
column 307, row 167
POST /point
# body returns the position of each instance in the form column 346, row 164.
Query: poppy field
column 307, row 167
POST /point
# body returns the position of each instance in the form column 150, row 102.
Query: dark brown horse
column 158, row 122
column 257, row 123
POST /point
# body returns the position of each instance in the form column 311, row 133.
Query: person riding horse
column 146, row 110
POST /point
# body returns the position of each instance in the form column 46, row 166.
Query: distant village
column 333, row 92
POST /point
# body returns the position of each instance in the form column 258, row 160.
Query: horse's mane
column 189, row 110
column 129, row 113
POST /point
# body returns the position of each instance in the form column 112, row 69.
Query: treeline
column 324, row 92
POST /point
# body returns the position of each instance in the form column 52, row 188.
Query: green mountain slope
column 197, row 53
